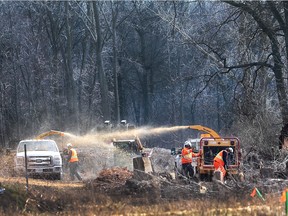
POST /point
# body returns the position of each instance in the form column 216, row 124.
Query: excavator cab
column 131, row 146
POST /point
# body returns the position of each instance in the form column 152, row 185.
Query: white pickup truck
column 43, row 159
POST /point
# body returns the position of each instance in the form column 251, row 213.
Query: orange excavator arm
column 214, row 134
column 48, row 133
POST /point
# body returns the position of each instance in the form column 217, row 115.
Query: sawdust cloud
column 69, row 135
column 103, row 138
column 97, row 151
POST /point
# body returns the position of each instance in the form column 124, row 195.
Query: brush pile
column 110, row 179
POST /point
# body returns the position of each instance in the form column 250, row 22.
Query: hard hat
column 230, row 149
column 187, row 144
column 69, row 145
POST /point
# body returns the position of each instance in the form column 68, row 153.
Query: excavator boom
column 48, row 133
column 214, row 134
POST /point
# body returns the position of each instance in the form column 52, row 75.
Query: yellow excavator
column 209, row 145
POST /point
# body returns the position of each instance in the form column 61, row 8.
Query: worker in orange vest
column 73, row 162
column 220, row 162
column 186, row 159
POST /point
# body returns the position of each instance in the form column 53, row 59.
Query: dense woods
column 72, row 65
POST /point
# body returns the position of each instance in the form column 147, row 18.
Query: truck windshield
column 38, row 146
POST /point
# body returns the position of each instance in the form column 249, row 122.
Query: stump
column 143, row 164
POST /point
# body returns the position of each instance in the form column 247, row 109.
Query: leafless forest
column 69, row 66
column 72, row 65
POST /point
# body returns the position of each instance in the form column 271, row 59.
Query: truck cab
column 43, row 158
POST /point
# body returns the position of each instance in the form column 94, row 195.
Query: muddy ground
column 108, row 189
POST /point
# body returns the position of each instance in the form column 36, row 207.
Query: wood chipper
column 209, row 145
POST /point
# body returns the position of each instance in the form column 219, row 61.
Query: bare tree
column 272, row 19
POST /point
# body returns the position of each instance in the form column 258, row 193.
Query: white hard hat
column 187, row 143
column 69, row 145
column 230, row 149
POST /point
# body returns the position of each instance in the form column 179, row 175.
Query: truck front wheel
column 57, row 176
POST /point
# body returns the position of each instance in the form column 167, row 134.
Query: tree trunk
column 115, row 71
column 70, row 86
column 283, row 142
column 146, row 80
column 106, row 110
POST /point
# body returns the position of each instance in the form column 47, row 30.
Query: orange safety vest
column 219, row 158
column 74, row 157
column 187, row 155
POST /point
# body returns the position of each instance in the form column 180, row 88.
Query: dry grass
column 71, row 198
column 50, row 198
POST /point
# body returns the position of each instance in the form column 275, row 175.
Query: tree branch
column 248, row 65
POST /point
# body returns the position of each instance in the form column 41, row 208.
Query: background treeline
column 72, row 65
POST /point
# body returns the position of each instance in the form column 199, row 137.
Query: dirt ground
column 112, row 190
